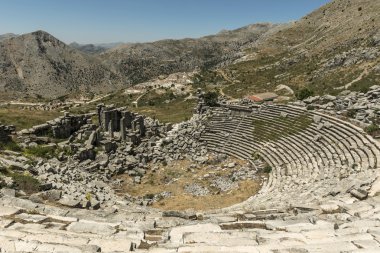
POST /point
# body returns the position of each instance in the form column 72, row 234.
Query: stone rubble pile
column 183, row 141
column 352, row 57
column 362, row 107
column 70, row 185
column 81, row 175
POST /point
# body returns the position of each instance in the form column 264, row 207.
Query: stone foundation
column 61, row 127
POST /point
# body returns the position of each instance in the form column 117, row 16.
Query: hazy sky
column 98, row 21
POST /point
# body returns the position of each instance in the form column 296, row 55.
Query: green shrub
column 304, row 93
column 10, row 145
column 67, row 151
column 256, row 156
column 26, row 183
column 40, row 151
column 3, row 170
column 267, row 169
column 88, row 196
column 351, row 113
column 211, row 98
column 372, row 128
column 171, row 96
column 149, row 196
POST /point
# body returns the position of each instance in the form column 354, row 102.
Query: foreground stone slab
column 47, row 247
column 25, row 246
column 224, row 249
column 329, row 247
column 375, row 189
column 67, row 239
column 28, row 226
column 367, row 244
column 243, row 225
column 330, row 208
column 5, row 223
column 8, row 192
column 70, row 202
column 63, row 218
column 109, row 245
column 176, row 234
column 7, row 211
column 31, row 217
column 91, row 227
column 359, row 194
column 6, row 244
column 222, row 238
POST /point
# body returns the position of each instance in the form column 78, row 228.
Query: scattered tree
column 304, row 93
column 211, row 98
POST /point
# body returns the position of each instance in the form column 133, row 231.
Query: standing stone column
column 99, row 109
column 106, row 118
column 122, row 128
column 110, row 128
column 141, row 126
column 133, row 125
column 128, row 117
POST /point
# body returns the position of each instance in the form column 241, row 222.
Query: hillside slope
column 143, row 61
column 335, row 47
column 39, row 64
column 7, row 36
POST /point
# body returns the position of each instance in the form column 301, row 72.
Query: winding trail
column 348, row 85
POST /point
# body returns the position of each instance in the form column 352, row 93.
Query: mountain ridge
column 331, row 49
column 38, row 63
column 323, row 51
column 140, row 62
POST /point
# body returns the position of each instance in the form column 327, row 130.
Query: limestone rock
column 359, row 193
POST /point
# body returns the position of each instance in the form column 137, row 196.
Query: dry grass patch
column 22, row 119
column 184, row 201
column 174, row 177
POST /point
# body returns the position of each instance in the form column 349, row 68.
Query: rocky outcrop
column 37, row 64
column 333, row 46
column 363, row 108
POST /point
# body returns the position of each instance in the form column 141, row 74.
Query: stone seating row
column 298, row 158
column 356, row 154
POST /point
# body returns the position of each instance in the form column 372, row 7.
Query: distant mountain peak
column 7, row 36
column 45, row 37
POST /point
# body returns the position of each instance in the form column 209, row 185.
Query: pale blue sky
column 104, row 21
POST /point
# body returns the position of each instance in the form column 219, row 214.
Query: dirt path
column 221, row 72
column 360, row 77
column 21, row 103
column 221, row 91
column 98, row 99
column 136, row 102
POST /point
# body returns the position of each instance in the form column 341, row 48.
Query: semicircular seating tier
column 311, row 155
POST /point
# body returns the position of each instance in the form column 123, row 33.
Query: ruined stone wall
column 131, row 126
column 67, row 125
column 61, row 128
